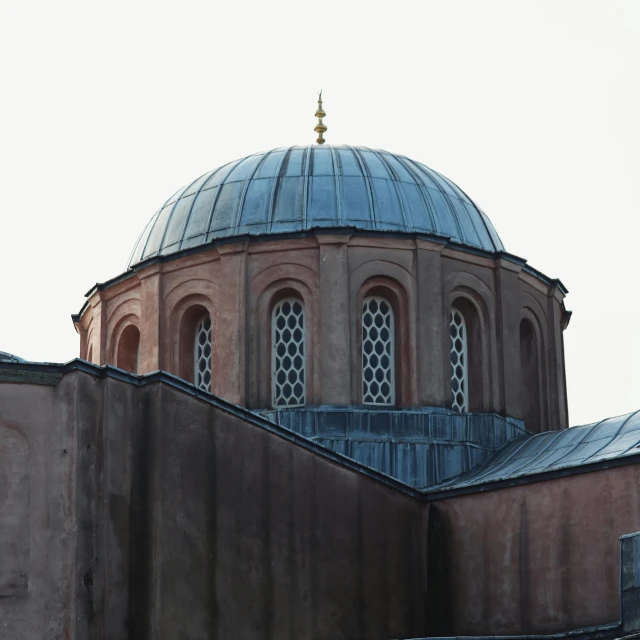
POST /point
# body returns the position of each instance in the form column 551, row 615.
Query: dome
column 296, row 189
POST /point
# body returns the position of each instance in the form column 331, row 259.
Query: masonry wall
column 153, row 514
column 237, row 283
column 258, row 538
column 537, row 558
column 144, row 512
column 52, row 524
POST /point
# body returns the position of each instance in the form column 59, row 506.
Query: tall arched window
column 459, row 362
column 288, row 386
column 378, row 353
column 128, row 352
column 202, row 354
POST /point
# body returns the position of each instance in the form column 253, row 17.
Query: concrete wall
column 153, row 514
column 537, row 558
column 238, row 283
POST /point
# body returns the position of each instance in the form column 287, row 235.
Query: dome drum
column 333, row 277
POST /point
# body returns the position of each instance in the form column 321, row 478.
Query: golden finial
column 320, row 128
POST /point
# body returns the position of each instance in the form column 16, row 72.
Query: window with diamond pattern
column 288, row 388
column 459, row 376
column 378, row 375
column 202, row 355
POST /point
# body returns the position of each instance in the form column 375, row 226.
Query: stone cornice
column 256, row 244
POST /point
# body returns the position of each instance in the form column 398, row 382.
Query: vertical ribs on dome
column 335, row 186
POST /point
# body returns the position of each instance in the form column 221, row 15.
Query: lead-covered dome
column 296, row 189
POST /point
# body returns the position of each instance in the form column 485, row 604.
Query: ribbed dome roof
column 301, row 188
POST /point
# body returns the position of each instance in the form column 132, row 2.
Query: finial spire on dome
column 320, row 128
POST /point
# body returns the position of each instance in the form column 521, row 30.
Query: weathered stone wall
column 537, row 558
column 153, row 514
column 133, row 509
column 48, row 504
column 254, row 537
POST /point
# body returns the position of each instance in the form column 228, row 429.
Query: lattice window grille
column 202, row 355
column 288, row 387
column 378, row 369
column 459, row 376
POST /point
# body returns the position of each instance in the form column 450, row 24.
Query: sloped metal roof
column 297, row 189
column 9, row 357
column 609, row 439
column 420, row 446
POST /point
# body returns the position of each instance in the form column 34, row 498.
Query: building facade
column 337, row 232
column 322, row 402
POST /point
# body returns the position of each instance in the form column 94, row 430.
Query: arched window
column 288, row 379
column 128, row 352
column 459, row 362
column 378, row 353
column 194, row 348
column 202, row 354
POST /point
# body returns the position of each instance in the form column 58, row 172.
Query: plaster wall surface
column 53, row 500
column 254, row 537
column 238, row 283
column 536, row 558
column 154, row 514
column 146, row 512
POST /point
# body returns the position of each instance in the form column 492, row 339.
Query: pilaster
column 99, row 355
column 432, row 389
column 229, row 382
column 558, row 408
column 507, row 400
column 335, row 348
column 151, row 356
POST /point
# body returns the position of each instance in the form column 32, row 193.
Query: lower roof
column 9, row 357
column 554, row 451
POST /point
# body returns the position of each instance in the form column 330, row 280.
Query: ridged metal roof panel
column 420, row 447
column 297, row 189
column 608, row 439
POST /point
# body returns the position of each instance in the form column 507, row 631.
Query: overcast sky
column 531, row 107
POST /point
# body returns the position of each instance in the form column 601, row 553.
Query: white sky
column 531, row 107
